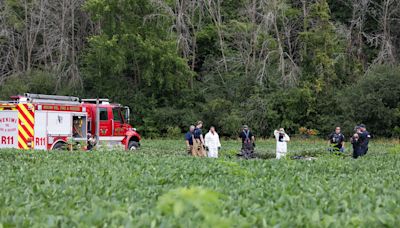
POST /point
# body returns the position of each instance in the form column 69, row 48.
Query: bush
column 305, row 132
column 36, row 81
column 32, row 82
column 174, row 132
column 374, row 100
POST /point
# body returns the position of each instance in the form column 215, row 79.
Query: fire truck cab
column 49, row 122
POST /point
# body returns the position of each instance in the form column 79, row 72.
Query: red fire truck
column 49, row 122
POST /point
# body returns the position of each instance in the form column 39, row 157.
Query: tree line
column 267, row 63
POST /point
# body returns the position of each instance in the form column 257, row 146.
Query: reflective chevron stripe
column 26, row 123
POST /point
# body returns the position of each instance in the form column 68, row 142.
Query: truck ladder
column 51, row 99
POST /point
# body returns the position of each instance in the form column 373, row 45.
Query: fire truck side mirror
column 127, row 114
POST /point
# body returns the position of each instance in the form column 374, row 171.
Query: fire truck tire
column 133, row 145
column 59, row 146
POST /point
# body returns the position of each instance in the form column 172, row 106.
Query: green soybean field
column 161, row 186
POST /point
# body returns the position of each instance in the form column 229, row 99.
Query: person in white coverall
column 212, row 143
column 281, row 143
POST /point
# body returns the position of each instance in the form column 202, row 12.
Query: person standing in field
column 355, row 141
column 281, row 143
column 364, row 139
column 248, row 139
column 198, row 141
column 189, row 140
column 248, row 143
column 212, row 143
column 336, row 140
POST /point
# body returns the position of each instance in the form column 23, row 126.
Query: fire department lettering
column 6, row 129
column 6, row 124
column 61, row 108
column 77, row 109
column 8, row 120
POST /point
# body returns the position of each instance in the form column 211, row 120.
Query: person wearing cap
column 336, row 140
column 198, row 141
column 248, row 139
column 281, row 143
column 212, row 143
column 189, row 139
column 357, row 129
column 364, row 139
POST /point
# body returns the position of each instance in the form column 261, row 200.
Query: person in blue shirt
column 198, row 141
column 189, row 140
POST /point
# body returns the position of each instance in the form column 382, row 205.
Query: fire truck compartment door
column 40, row 140
column 8, row 129
column 59, row 123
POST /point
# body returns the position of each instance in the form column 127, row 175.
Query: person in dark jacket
column 364, row 139
column 355, row 141
column 248, row 143
column 247, row 138
column 336, row 140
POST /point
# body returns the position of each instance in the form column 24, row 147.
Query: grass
column 160, row 186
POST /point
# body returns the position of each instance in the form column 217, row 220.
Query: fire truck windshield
column 117, row 114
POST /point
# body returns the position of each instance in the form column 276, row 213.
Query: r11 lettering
column 40, row 141
column 7, row 140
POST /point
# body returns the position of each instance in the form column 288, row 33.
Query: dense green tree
column 374, row 100
column 134, row 59
column 322, row 48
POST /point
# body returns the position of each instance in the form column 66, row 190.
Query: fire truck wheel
column 133, row 145
column 59, row 146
